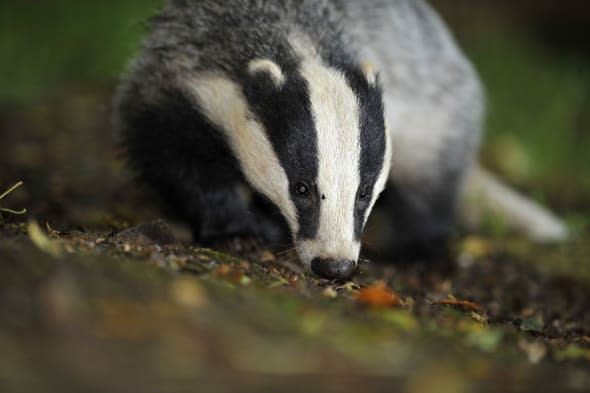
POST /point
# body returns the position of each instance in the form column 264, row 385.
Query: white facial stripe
column 225, row 106
column 335, row 110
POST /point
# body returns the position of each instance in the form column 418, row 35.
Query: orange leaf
column 464, row 304
column 223, row 270
column 378, row 295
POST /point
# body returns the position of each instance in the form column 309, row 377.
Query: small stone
column 157, row 231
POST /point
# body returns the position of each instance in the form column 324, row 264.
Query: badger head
column 312, row 139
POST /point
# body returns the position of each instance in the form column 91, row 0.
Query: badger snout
column 333, row 268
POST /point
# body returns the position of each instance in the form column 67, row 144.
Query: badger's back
column 226, row 35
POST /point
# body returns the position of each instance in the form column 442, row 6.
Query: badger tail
column 486, row 197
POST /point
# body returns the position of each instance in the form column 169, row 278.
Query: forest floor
column 97, row 294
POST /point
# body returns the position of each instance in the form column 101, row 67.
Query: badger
column 284, row 120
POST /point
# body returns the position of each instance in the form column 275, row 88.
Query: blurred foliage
column 535, row 64
column 538, row 123
column 47, row 46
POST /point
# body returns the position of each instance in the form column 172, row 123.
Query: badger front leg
column 218, row 214
column 421, row 220
column 431, row 157
column 424, row 188
column 233, row 211
column 435, row 140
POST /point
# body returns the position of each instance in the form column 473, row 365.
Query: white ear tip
column 370, row 74
column 268, row 67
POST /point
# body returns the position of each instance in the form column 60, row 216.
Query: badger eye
column 301, row 190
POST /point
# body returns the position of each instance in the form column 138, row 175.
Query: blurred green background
column 534, row 58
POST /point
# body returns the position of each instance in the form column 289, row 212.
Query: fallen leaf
column 224, row 270
column 330, row 292
column 245, row 280
column 266, row 257
column 483, row 319
column 409, row 302
column 573, row 352
column 280, row 282
column 475, row 247
column 533, row 324
column 378, row 295
column 349, row 286
column 40, row 239
column 485, row 339
column 471, row 249
column 462, row 304
column 535, row 350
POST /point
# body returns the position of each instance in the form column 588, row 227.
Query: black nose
column 332, row 269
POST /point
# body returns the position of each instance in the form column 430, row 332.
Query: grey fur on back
column 194, row 35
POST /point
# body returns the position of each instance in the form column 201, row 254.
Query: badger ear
column 370, row 73
column 267, row 68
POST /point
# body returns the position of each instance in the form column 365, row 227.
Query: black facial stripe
column 372, row 141
column 286, row 115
